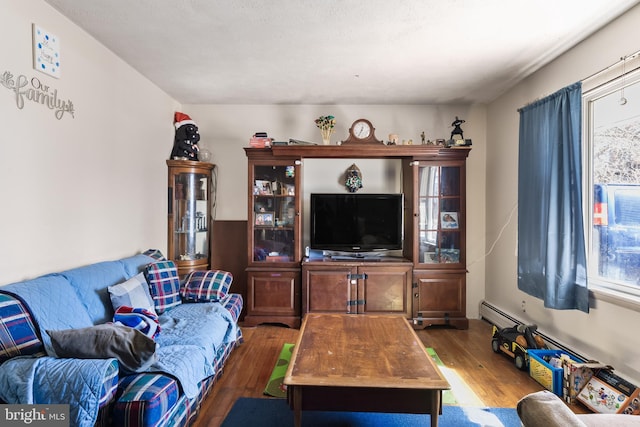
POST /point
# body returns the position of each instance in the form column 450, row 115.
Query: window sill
column 622, row 299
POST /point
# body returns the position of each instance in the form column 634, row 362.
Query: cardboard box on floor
column 607, row 393
column 576, row 375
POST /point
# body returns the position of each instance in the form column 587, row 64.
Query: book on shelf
column 293, row 141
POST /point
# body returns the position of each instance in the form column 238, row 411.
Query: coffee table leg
column 297, row 406
column 435, row 407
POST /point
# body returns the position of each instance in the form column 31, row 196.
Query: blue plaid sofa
column 195, row 331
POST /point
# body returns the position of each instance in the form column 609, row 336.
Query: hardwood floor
column 478, row 376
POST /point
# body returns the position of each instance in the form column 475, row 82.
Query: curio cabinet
column 189, row 222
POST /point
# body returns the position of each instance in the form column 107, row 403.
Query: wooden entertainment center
column 427, row 284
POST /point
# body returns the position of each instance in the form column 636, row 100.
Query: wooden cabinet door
column 274, row 224
column 273, row 297
column 439, row 299
column 357, row 287
column 435, row 236
column 329, row 289
column 385, row 289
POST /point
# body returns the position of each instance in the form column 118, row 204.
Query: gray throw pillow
column 134, row 350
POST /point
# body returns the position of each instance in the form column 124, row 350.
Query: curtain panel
column 551, row 246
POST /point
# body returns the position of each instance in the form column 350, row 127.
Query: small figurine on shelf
column 185, row 143
column 456, row 135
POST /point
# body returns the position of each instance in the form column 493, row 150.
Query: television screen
column 356, row 222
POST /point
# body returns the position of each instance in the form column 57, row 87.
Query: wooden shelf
column 362, row 151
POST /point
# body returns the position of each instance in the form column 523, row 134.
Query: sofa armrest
column 545, row 409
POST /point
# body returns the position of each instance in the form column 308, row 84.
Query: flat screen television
column 356, row 222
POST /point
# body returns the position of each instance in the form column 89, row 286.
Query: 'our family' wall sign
column 46, row 58
column 34, row 90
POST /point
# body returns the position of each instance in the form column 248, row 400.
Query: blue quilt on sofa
column 30, row 380
column 189, row 340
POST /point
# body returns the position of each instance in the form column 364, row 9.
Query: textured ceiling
column 338, row 51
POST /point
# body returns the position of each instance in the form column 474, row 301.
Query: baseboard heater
column 500, row 318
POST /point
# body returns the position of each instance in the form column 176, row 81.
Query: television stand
column 357, row 285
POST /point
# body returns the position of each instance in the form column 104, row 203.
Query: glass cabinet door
column 273, row 215
column 440, row 214
column 189, row 215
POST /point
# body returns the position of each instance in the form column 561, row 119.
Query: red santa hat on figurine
column 182, row 119
column 185, row 143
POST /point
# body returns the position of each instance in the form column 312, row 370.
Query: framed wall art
column 46, row 51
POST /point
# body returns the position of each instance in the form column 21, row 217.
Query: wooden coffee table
column 362, row 363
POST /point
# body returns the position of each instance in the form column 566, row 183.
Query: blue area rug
column 276, row 413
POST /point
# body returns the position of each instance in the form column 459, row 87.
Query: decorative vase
column 326, row 135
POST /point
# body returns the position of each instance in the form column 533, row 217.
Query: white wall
column 85, row 188
column 607, row 333
column 226, row 129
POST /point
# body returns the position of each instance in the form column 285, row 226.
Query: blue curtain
column 551, row 248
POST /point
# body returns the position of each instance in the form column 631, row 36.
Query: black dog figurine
column 185, row 143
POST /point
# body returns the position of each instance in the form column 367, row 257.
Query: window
column 612, row 185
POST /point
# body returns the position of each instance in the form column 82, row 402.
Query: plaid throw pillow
column 155, row 254
column 208, row 285
column 17, row 333
column 132, row 293
column 164, row 285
